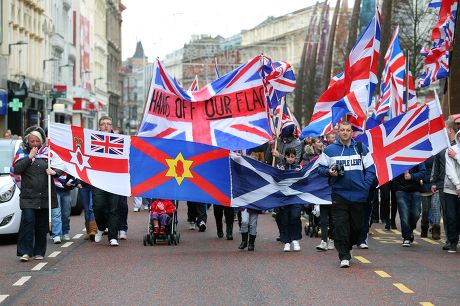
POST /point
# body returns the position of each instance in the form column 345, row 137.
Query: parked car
column 10, row 213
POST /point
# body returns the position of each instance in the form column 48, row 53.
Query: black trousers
column 197, row 212
column 105, row 207
column 228, row 212
column 388, row 199
column 348, row 222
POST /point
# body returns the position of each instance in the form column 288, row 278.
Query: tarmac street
column 206, row 270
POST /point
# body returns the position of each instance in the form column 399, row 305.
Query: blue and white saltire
column 259, row 186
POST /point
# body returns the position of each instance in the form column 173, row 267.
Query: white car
column 10, row 213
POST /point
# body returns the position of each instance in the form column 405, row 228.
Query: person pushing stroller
column 160, row 213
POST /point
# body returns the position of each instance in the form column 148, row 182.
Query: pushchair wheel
column 149, row 239
column 178, row 237
column 154, row 240
column 145, row 240
column 174, row 238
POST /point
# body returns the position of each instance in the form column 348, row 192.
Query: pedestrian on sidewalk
column 351, row 176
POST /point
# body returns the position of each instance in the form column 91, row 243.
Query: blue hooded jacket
column 354, row 185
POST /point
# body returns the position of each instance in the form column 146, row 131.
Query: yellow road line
column 402, row 288
column 429, row 240
column 362, row 259
column 396, row 232
column 416, row 232
column 426, row 304
column 383, row 232
column 382, row 273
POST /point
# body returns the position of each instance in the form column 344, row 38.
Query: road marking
column 396, row 232
column 22, row 280
column 429, row 240
column 3, row 297
column 39, row 266
column 362, row 259
column 67, row 244
column 382, row 273
column 77, row 236
column 54, row 254
column 426, row 304
column 416, row 232
column 383, row 232
column 402, row 288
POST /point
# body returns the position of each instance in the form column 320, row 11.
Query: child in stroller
column 162, row 222
column 160, row 213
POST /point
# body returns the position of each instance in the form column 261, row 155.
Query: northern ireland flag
column 97, row 158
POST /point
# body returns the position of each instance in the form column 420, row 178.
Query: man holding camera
column 351, row 170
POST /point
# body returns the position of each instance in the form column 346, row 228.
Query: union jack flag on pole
column 360, row 71
column 436, row 64
column 405, row 141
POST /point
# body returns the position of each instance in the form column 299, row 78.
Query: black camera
column 339, row 168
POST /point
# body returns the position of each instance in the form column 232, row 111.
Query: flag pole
column 50, row 225
column 278, row 127
column 407, row 78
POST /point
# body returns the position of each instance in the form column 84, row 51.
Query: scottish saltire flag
column 194, row 86
column 259, row 186
column 436, row 64
column 97, row 158
column 179, row 170
column 230, row 112
column 392, row 85
column 360, row 70
column 404, row 141
column 279, row 80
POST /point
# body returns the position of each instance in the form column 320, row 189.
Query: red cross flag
column 93, row 156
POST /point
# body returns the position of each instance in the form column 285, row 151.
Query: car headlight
column 6, row 195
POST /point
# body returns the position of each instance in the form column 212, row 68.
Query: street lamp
column 19, row 43
column 49, row 60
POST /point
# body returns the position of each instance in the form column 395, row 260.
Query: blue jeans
column 86, row 198
column 452, row 205
column 32, row 232
column 409, row 207
column 65, row 203
column 290, row 223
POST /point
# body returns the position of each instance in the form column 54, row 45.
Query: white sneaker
column 136, row 209
column 122, row 235
column 287, row 247
column 330, row 244
column 406, row 243
column 98, row 236
column 66, row 237
column 57, row 240
column 145, row 207
column 296, row 245
column 192, row 226
column 114, row 242
column 322, row 246
column 344, row 263
column 363, row 246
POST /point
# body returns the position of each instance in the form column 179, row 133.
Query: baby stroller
column 171, row 234
column 312, row 226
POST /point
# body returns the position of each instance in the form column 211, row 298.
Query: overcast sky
column 164, row 26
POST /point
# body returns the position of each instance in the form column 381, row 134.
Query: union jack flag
column 392, row 86
column 436, row 64
column 411, row 95
column 279, row 80
column 107, row 144
column 404, row 141
column 447, row 7
column 230, row 112
column 287, row 118
column 360, row 70
column 435, row 3
column 194, row 86
column 443, row 31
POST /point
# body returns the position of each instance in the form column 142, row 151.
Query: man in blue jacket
column 351, row 170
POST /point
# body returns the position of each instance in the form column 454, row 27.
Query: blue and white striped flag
column 259, row 186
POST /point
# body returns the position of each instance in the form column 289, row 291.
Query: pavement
column 205, row 270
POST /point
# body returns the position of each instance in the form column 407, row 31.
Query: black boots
column 424, row 232
column 244, row 241
column 252, row 239
column 230, row 231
